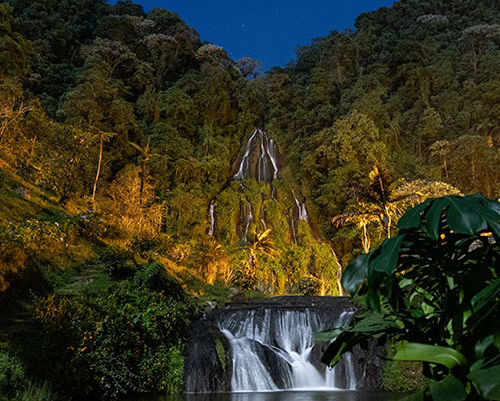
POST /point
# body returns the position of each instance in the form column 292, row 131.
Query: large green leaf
column 373, row 322
column 355, row 273
column 326, row 335
column 345, row 342
column 368, row 323
column 465, row 215
column 449, row 389
column 445, row 356
column 433, row 218
column 488, row 209
column 373, row 299
column 484, row 303
column 486, row 295
column 487, row 381
column 412, row 217
column 387, row 259
column 464, row 219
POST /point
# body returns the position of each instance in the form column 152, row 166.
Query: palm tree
column 361, row 214
column 385, row 201
column 378, row 203
column 146, row 156
column 213, row 262
column 261, row 247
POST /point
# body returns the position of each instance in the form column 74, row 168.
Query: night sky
column 266, row 30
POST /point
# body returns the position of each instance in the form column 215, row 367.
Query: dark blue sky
column 266, row 30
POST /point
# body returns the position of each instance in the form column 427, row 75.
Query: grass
column 37, row 392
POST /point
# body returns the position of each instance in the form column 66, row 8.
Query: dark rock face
column 206, row 372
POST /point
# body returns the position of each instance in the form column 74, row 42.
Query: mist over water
column 286, row 396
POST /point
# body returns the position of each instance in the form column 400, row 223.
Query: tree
column 249, row 68
column 385, row 201
column 146, row 156
column 103, row 136
column 123, row 204
column 476, row 39
column 214, row 263
column 434, row 288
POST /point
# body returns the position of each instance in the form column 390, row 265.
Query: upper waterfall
column 260, row 159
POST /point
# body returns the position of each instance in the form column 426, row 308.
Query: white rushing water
column 248, row 219
column 211, row 214
column 267, row 162
column 301, row 208
column 272, row 350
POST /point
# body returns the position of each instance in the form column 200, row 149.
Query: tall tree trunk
column 101, row 140
column 388, row 222
column 339, row 274
column 365, row 241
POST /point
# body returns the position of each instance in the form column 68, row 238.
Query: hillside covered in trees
column 122, row 134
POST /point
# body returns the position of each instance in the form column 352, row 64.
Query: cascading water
column 265, row 166
column 272, row 349
column 248, row 219
column 301, row 208
column 244, row 164
column 211, row 214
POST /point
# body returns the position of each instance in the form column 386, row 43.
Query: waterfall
column 273, row 349
column 265, row 166
column 244, row 164
column 211, row 214
column 301, row 208
column 270, row 149
column 294, row 230
column 249, row 219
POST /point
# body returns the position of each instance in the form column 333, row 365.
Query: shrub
column 309, row 285
column 121, row 341
column 12, row 377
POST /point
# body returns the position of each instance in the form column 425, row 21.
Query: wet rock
column 208, row 359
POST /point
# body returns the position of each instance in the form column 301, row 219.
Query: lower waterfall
column 273, row 349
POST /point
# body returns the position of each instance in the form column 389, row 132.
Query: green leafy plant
column 126, row 337
column 434, row 288
column 12, row 376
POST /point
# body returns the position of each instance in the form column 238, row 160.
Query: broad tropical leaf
column 355, row 273
column 449, row 389
column 388, row 257
column 445, row 356
column 487, row 381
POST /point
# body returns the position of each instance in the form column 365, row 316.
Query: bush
column 118, row 263
column 119, row 342
column 308, row 286
column 12, row 377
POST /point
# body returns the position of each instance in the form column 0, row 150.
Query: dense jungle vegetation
column 118, row 128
